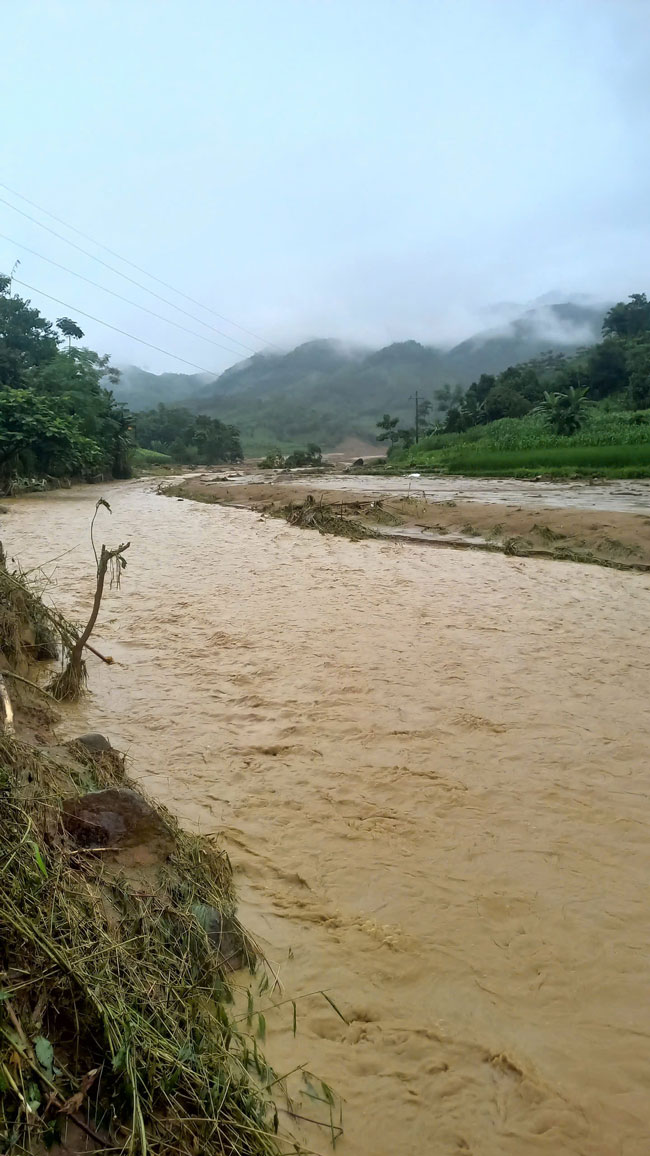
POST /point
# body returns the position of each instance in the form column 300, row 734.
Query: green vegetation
column 275, row 460
column 191, row 439
column 324, row 392
column 56, row 418
column 143, row 458
column 609, row 441
column 585, row 414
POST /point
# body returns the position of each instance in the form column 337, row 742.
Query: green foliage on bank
column 609, row 440
column 585, row 414
column 187, row 438
column 143, row 458
column 57, row 418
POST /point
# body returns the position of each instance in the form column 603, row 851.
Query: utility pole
column 417, row 418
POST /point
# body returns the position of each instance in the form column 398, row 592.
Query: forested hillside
column 323, row 392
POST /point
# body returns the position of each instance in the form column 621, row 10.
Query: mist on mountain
column 325, row 390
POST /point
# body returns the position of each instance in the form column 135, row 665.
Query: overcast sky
column 366, row 169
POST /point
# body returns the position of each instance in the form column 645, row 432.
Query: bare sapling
column 69, row 683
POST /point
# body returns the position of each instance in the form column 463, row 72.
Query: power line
column 126, row 277
column 139, row 268
column 167, row 320
column 99, row 321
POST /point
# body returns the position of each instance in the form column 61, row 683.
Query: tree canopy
column 187, row 437
column 558, row 385
column 56, row 415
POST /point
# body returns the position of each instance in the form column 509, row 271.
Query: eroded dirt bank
column 612, row 537
column 431, row 771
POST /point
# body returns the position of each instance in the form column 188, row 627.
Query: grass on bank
column 611, row 444
column 116, row 1028
column 143, row 458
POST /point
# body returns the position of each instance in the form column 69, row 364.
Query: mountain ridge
column 324, row 390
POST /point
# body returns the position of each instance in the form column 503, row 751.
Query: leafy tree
column 312, row 456
column 606, row 369
column 504, row 401
column 388, row 425
column 638, row 362
column 36, row 439
column 448, row 396
column 628, row 318
column 424, row 408
column 187, row 437
column 26, row 340
column 565, row 412
column 473, row 410
column 274, row 460
column 61, row 421
column 407, row 437
column 457, row 421
column 69, row 329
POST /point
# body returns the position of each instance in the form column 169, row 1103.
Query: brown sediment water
column 431, row 771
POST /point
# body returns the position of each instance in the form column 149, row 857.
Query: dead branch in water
column 69, row 683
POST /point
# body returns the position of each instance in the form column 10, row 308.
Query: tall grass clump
column 114, row 1016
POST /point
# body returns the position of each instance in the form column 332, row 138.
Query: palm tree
column 565, row 412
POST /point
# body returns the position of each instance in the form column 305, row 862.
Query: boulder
column 119, row 819
column 225, row 935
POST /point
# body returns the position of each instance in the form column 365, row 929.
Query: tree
column 35, row 438
column 565, row 412
column 26, row 339
column 188, row 438
column 628, row 318
column 61, row 421
column 69, row 329
column 504, row 401
column 456, row 421
column 473, row 410
column 312, row 456
column 389, row 426
column 606, row 369
column 638, row 361
column 448, row 396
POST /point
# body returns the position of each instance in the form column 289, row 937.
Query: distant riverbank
column 610, row 537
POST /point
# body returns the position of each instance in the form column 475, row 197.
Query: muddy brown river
column 432, row 773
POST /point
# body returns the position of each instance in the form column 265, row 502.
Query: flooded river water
column 431, row 771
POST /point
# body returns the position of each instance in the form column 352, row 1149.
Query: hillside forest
column 588, row 413
column 324, row 392
column 59, row 415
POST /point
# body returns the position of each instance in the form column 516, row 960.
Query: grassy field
column 610, row 444
column 143, row 458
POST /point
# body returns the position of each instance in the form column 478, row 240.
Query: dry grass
column 325, row 518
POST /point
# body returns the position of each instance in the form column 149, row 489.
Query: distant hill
column 323, row 391
column 143, row 390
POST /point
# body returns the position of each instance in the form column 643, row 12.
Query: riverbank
column 611, row 538
column 118, row 941
column 429, row 771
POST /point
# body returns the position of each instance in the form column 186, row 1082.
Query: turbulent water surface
column 431, row 771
